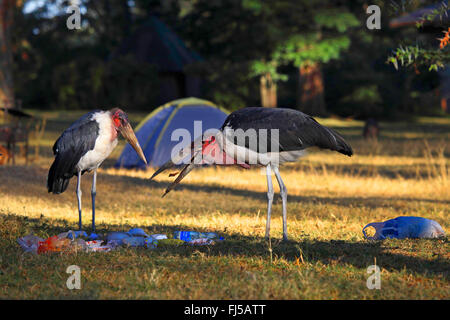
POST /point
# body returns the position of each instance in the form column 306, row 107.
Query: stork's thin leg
column 79, row 198
column 93, row 194
column 269, row 199
column 283, row 192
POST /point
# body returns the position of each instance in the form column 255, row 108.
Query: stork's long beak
column 128, row 133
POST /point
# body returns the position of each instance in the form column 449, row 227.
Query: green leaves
column 415, row 55
column 307, row 49
column 259, row 68
column 336, row 19
column 253, row 5
column 434, row 58
column 321, row 42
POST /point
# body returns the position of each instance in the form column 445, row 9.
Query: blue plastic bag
column 117, row 236
column 71, row 234
column 405, row 227
column 137, row 232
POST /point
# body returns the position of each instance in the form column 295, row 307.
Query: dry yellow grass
column 330, row 198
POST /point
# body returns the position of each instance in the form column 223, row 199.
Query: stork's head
column 122, row 125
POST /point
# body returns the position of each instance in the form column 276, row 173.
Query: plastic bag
column 54, row 244
column 137, row 232
column 30, row 243
column 405, row 227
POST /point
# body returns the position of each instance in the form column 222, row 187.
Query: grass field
column 330, row 198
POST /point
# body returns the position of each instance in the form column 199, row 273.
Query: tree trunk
column 268, row 90
column 310, row 96
column 6, row 57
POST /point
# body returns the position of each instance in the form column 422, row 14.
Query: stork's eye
column 117, row 122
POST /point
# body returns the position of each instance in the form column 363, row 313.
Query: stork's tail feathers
column 56, row 184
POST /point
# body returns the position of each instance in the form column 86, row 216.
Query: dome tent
column 154, row 131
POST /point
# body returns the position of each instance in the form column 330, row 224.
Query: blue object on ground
column 137, row 232
column 193, row 235
column 117, row 236
column 405, row 227
column 76, row 234
column 137, row 241
column 93, row 236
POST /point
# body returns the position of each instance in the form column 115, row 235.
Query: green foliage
column 309, row 49
column 319, row 43
column 259, row 68
column 440, row 12
column 239, row 40
column 254, row 5
column 364, row 94
column 415, row 55
column 336, row 19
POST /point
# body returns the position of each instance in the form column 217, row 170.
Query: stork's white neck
column 104, row 144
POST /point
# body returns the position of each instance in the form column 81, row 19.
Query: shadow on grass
column 391, row 255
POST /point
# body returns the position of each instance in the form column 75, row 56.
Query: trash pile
column 79, row 241
column 405, row 227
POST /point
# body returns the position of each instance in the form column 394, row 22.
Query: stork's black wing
column 297, row 131
column 73, row 143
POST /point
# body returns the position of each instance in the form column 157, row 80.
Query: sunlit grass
column 330, row 198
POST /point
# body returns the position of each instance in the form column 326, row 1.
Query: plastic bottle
column 193, row 235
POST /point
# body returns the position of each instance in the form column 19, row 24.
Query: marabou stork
column 294, row 132
column 84, row 146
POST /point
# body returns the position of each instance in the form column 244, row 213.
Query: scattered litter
column 93, row 244
column 117, row 236
column 158, row 236
column 76, row 234
column 201, row 241
column 93, row 236
column 96, row 246
column 136, row 241
column 193, row 235
column 405, row 227
column 29, row 243
column 73, row 241
column 137, row 232
column 57, row 244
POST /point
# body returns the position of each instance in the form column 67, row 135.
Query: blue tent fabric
column 154, row 133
